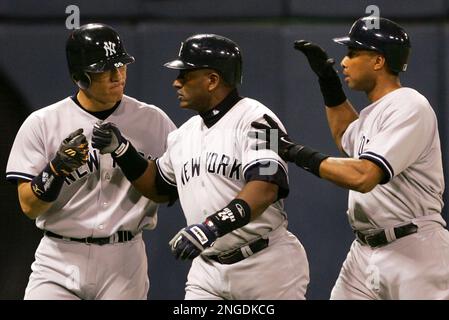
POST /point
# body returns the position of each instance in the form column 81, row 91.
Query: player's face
column 107, row 87
column 193, row 89
column 359, row 69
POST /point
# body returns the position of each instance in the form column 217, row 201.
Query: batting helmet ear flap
column 82, row 79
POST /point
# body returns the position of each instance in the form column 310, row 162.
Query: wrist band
column 332, row 91
column 307, row 158
column 122, row 148
column 133, row 165
column 235, row 215
column 47, row 185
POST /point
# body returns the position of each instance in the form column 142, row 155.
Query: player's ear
column 214, row 80
column 379, row 62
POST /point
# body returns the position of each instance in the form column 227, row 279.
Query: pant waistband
column 385, row 236
column 118, row 237
column 241, row 253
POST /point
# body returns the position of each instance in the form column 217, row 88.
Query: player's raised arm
column 139, row 171
column 339, row 110
column 356, row 174
column 37, row 195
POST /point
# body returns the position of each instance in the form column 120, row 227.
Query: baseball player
column 90, row 214
column 393, row 170
column 231, row 195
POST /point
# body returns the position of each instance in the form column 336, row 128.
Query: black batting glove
column 284, row 143
column 318, row 60
column 107, row 138
column 303, row 156
column 72, row 154
column 190, row 241
column 322, row 65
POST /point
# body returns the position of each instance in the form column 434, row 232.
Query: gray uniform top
column 399, row 133
column 96, row 199
column 208, row 166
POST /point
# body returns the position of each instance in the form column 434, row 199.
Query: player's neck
column 383, row 87
column 219, row 95
column 91, row 104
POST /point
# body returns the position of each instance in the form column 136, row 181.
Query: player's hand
column 190, row 241
column 320, row 63
column 283, row 141
column 72, row 153
column 107, row 138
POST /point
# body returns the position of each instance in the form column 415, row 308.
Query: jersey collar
column 102, row 115
column 212, row 116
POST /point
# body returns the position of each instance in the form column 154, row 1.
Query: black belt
column 240, row 253
column 380, row 238
column 119, row 236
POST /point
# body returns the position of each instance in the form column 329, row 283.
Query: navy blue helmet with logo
column 381, row 35
column 94, row 47
column 210, row 51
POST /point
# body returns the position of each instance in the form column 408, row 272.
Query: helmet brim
column 347, row 41
column 342, row 40
column 179, row 64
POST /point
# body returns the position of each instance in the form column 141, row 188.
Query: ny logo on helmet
column 109, row 47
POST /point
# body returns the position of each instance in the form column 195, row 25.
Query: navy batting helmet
column 210, row 51
column 94, row 47
column 381, row 35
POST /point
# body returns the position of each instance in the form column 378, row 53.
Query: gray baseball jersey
column 208, row 165
column 209, row 162
column 399, row 133
column 96, row 199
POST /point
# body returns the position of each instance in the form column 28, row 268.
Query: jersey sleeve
column 27, row 157
column 403, row 135
column 265, row 164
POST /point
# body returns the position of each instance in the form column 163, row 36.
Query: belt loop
column 246, row 251
column 390, row 234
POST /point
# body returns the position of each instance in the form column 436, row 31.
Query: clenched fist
column 72, row 153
